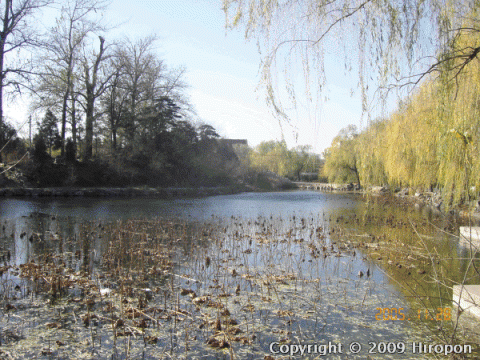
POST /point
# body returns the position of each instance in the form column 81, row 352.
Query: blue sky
column 222, row 72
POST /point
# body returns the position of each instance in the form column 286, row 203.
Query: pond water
column 247, row 205
column 246, row 276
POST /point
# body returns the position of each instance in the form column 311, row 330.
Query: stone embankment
column 327, row 187
column 162, row 193
column 429, row 198
column 434, row 200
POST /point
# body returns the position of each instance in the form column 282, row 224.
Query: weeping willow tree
column 341, row 158
column 410, row 157
column 459, row 138
column 370, row 149
column 274, row 156
column 270, row 156
column 431, row 141
column 392, row 44
column 427, row 49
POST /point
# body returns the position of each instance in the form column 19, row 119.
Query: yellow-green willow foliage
column 270, row 156
column 458, row 104
column 431, row 141
column 275, row 156
column 341, row 158
column 388, row 38
column 370, row 148
column 410, row 136
column 459, row 171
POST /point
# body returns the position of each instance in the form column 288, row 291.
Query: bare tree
column 96, row 80
column 142, row 72
column 62, row 58
column 17, row 33
column 140, row 89
column 115, row 101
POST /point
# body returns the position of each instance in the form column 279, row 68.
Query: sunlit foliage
column 370, row 150
column 390, row 44
column 274, row 156
column 341, row 160
column 431, row 141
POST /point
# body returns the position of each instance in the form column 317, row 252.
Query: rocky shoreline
column 432, row 199
column 435, row 202
column 429, row 198
column 328, row 187
column 161, row 193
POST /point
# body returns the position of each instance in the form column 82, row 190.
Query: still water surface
column 247, row 205
column 339, row 303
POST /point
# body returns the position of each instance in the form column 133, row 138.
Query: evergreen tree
column 40, row 154
column 8, row 139
column 48, row 131
column 70, row 151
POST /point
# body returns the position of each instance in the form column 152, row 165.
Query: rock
column 233, row 272
column 402, row 192
column 105, row 291
column 148, row 294
column 379, row 189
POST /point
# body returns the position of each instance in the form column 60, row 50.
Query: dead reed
column 228, row 288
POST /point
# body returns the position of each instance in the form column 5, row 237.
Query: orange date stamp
column 393, row 313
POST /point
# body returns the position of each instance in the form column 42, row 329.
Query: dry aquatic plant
column 227, row 288
column 423, row 257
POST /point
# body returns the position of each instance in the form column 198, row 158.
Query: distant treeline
column 430, row 142
column 276, row 157
column 110, row 111
column 181, row 155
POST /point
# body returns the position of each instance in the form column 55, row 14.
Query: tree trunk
column 74, row 125
column 357, row 175
column 90, row 86
column 89, row 124
column 113, row 125
column 3, row 36
column 64, row 119
column 65, row 101
column 114, row 139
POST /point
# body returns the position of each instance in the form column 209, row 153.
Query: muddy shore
column 161, row 193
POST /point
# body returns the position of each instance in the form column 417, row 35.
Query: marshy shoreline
column 99, row 192
column 222, row 288
column 431, row 199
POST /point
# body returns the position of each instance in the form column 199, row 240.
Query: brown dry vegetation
column 151, row 289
